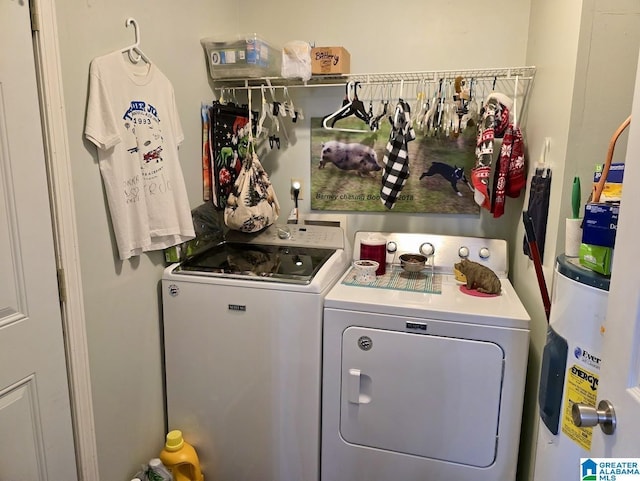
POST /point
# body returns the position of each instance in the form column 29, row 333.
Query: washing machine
column 423, row 379
column 242, row 341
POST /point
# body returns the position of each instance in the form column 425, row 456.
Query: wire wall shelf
column 525, row 74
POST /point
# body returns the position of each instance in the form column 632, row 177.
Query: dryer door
column 429, row 396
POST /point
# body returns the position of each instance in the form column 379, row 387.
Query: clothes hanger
column 374, row 122
column 431, row 105
column 134, row 51
column 437, row 115
column 355, row 105
column 370, row 111
column 422, row 103
column 471, row 107
column 264, row 111
column 351, row 105
column 277, row 111
column 515, row 103
column 400, row 109
column 294, row 112
column 542, row 167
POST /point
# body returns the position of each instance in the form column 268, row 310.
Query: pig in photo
column 351, row 156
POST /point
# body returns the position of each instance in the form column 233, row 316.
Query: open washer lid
column 291, row 254
column 258, row 261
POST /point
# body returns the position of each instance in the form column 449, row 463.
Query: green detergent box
column 596, row 258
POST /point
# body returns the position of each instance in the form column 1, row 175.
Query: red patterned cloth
column 509, row 177
column 517, row 177
column 480, row 182
column 494, row 123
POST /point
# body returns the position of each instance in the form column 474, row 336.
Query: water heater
column 570, row 367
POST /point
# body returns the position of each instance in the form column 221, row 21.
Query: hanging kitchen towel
column 484, row 156
column 229, row 134
column 502, row 105
column 206, row 153
column 494, row 119
column 538, row 209
column 516, row 177
column 500, row 175
column 509, row 173
column 396, row 157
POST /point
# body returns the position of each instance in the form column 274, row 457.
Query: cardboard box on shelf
column 612, row 191
column 330, row 60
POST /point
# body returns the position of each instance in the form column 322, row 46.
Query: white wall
column 553, row 45
column 122, row 299
column 414, row 36
column 586, row 54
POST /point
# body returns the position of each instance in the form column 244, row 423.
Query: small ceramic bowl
column 365, row 270
column 412, row 262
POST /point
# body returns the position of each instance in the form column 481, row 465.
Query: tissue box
column 246, row 57
column 330, row 60
column 600, row 224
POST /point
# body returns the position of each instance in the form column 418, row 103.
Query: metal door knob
column 586, row 416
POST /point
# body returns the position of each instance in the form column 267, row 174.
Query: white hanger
column 275, row 118
column 265, row 110
column 515, row 101
column 420, row 108
column 135, row 54
column 542, row 160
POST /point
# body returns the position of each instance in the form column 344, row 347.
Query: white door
column 620, row 375
column 35, row 420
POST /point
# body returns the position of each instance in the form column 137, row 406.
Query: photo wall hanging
column 415, row 142
column 347, row 171
column 435, row 153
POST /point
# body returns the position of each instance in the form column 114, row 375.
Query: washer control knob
column 484, row 253
column 463, row 252
column 392, row 246
column 427, row 249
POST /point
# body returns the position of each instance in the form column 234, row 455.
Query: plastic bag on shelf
column 296, row 60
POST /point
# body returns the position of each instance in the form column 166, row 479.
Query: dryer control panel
column 441, row 250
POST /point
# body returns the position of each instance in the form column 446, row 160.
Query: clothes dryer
column 422, row 380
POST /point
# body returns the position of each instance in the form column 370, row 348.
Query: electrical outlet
column 296, row 183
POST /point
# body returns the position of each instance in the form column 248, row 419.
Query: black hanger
column 351, row 105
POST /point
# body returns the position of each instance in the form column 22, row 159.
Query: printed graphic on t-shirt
column 143, row 122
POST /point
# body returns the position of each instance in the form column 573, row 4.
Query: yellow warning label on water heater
column 581, row 387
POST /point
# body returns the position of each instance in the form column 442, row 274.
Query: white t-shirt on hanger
column 133, row 120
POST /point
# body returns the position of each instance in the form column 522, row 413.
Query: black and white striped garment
column 396, row 157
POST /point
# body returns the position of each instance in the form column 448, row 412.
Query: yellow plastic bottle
column 181, row 458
